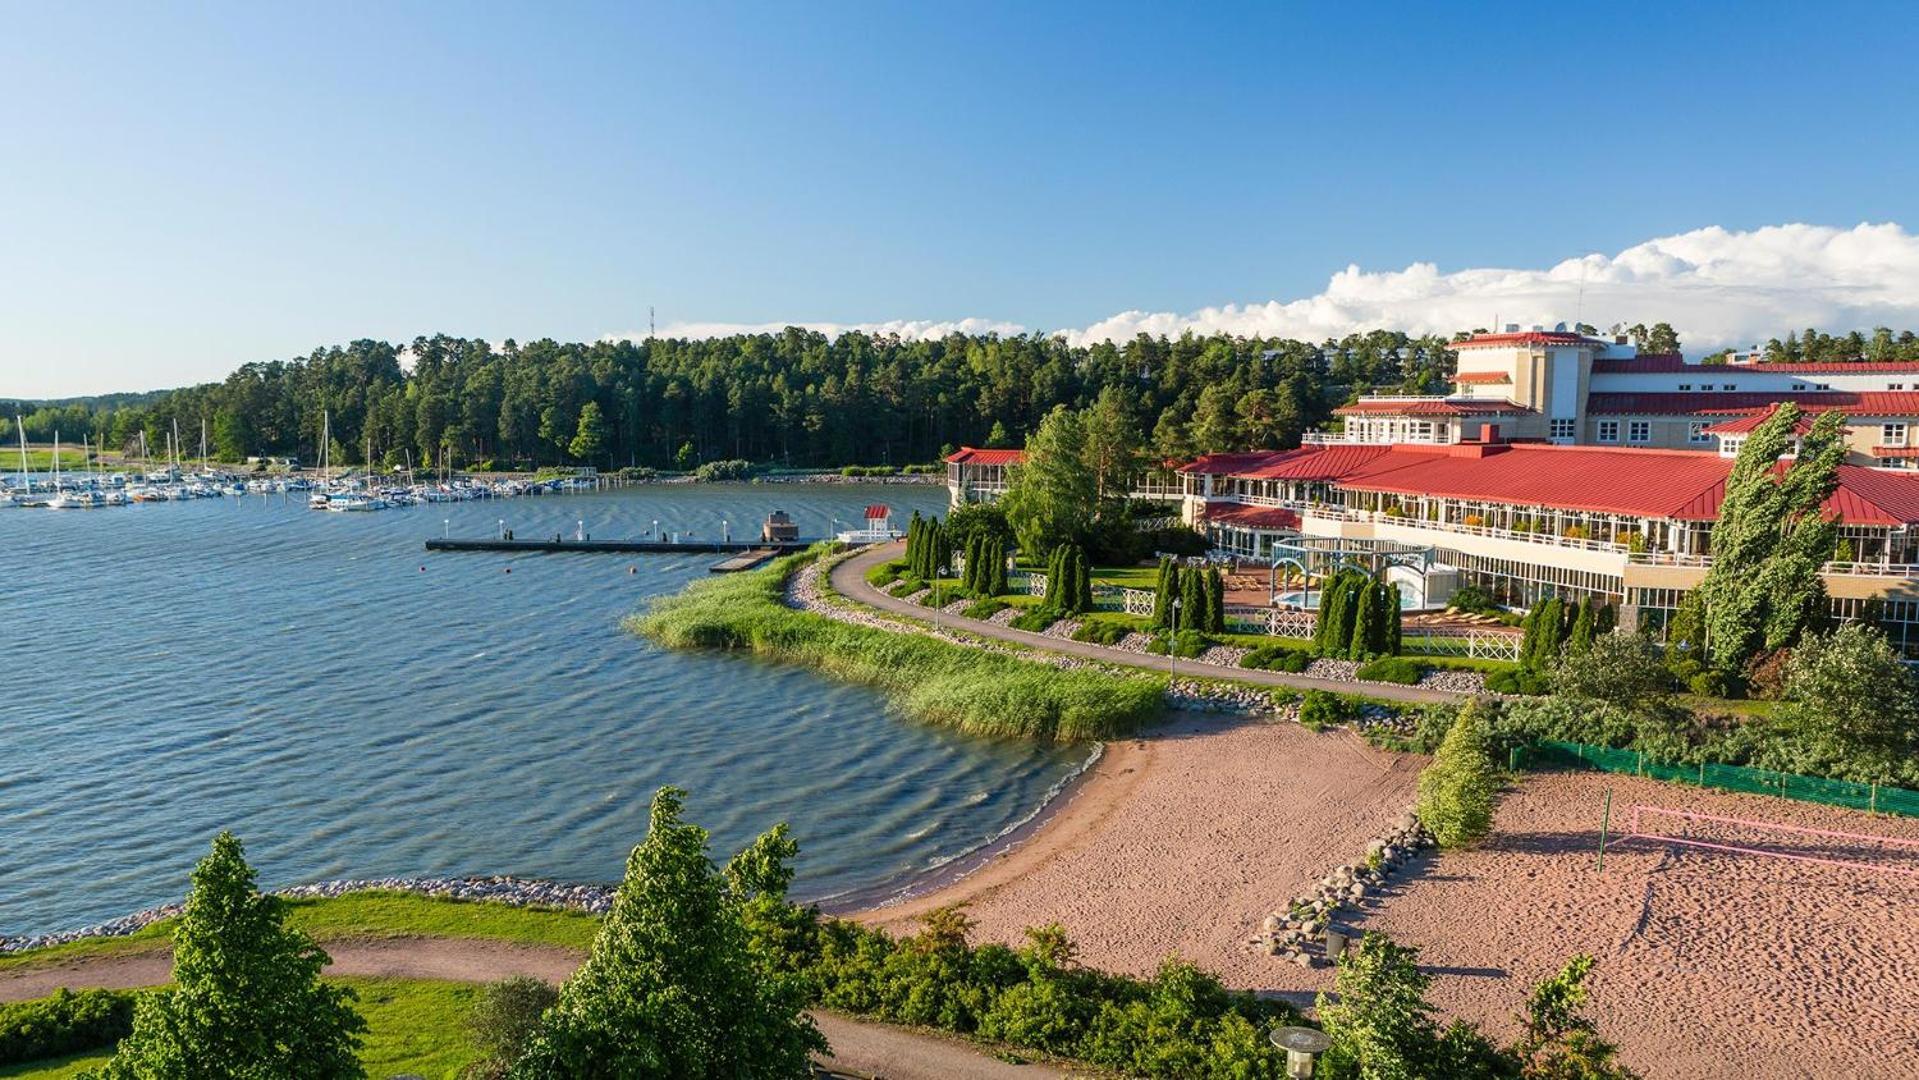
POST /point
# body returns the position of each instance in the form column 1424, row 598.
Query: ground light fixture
column 1302, row 1045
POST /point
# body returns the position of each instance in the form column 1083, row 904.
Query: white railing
column 1035, row 583
column 1477, row 644
column 1345, row 513
column 1136, row 602
column 1842, row 569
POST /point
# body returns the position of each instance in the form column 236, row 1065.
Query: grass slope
column 366, row 914
column 973, row 690
column 415, row 1026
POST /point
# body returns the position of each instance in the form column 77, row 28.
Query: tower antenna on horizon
column 652, row 329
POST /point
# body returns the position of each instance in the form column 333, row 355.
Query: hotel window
column 1896, row 386
column 1609, row 431
column 1639, row 431
column 1728, row 386
column 1688, row 386
column 1565, row 429
column 1892, row 435
column 1696, row 432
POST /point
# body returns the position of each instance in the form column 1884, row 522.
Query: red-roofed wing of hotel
column 1563, row 464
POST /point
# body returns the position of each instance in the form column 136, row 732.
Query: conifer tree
column 1394, row 615
column 1348, row 613
column 999, row 567
column 1083, row 578
column 1579, row 640
column 672, row 988
column 1365, row 620
column 1163, row 593
column 247, row 999
column 1192, row 602
column 1217, row 583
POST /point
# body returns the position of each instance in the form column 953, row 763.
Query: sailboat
column 319, row 499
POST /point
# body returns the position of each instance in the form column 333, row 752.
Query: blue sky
column 187, row 190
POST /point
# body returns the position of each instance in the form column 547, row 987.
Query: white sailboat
column 319, row 499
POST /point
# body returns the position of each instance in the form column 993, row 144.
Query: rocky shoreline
column 516, row 891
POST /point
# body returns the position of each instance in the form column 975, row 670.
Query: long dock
column 623, row 547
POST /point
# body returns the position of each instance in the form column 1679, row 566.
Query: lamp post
column 1302, row 1045
column 500, row 528
column 446, row 528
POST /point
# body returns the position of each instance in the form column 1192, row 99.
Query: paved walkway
column 849, row 580
column 859, row 1048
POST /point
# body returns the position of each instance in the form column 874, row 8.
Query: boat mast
column 26, row 485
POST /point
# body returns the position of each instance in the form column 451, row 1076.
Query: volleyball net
column 1869, row 852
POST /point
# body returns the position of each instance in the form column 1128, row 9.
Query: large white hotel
column 1562, row 464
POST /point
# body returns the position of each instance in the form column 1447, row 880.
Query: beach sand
column 1710, row 965
column 1181, row 842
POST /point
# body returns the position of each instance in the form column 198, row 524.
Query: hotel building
column 1563, row 464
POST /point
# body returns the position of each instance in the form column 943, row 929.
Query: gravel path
column 849, row 580
column 878, row 1050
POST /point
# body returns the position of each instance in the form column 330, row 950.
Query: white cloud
column 1717, row 287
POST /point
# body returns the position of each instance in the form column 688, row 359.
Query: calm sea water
column 352, row 706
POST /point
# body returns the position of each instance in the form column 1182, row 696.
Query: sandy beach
column 1181, row 842
column 1710, row 964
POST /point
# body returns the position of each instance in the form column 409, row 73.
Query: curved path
column 848, row 577
column 859, row 1048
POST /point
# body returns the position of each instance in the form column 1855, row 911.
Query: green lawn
column 415, row 1026
column 369, row 914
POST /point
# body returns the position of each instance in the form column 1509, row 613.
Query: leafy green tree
column 672, row 988
column 1382, row 1026
column 1771, row 538
column 1851, row 708
column 1559, row 1042
column 589, row 435
column 505, row 1018
column 1458, row 790
column 247, row 1000
column 1052, row 497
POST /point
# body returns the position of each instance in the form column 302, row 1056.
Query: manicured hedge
column 1392, row 669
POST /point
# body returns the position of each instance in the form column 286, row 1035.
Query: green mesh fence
column 1874, row 797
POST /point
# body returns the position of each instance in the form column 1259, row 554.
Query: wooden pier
column 741, row 554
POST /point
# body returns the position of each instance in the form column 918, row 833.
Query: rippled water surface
column 355, row 707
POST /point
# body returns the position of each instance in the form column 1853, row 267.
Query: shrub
column 885, row 573
column 1392, row 669
column 1707, row 684
column 1472, row 598
column 1517, row 681
column 66, row 1023
column 1851, row 708
column 715, row 471
column 1320, row 709
column 1185, row 645
column 504, row 1018
column 1036, row 619
column 985, row 609
column 1277, row 658
column 905, row 587
column 1457, row 791
column 1620, row 669
column 1101, row 632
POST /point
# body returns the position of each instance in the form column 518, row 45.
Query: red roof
column 1653, row 483
column 1673, row 362
column 1229, row 464
column 1430, row 407
column 1329, row 462
column 1475, row 378
column 1711, row 403
column 1252, row 517
column 1896, row 452
column 1747, row 423
column 878, row 511
column 967, row 455
column 1534, row 337
column 1683, row 485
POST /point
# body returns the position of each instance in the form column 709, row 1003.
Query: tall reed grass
column 973, row 690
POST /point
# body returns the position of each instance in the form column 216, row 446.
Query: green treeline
column 796, row 398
